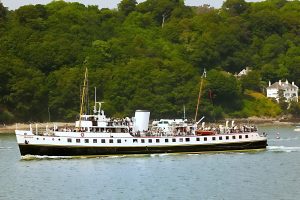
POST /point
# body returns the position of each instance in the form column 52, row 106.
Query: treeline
column 149, row 55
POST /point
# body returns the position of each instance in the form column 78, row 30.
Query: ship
column 96, row 134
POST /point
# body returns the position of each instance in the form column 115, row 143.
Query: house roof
column 282, row 86
column 244, row 72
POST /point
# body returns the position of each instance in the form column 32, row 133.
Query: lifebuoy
column 82, row 134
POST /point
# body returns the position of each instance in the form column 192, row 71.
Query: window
column 142, row 140
column 173, row 139
column 135, row 141
column 240, row 136
column 94, row 140
column 187, row 139
column 102, row 140
column 197, row 139
column 166, row 140
column 180, row 139
column 78, row 140
column 205, row 138
column 69, row 140
column 246, row 136
column 150, row 140
column 213, row 138
column 220, row 138
column 86, row 140
column 118, row 140
column 157, row 140
column 233, row 137
column 227, row 137
column 111, row 141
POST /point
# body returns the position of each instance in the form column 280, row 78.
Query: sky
column 14, row 4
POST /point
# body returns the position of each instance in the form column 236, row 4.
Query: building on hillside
column 290, row 90
column 243, row 72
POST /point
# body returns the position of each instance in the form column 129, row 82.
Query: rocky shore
column 268, row 121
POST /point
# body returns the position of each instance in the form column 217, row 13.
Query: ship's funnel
column 141, row 120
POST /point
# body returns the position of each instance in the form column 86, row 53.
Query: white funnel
column 141, row 120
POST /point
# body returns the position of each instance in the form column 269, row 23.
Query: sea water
column 273, row 173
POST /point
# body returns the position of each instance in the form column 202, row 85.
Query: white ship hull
column 76, row 144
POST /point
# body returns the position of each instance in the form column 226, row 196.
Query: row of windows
column 157, row 140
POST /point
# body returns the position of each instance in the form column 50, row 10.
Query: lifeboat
column 203, row 132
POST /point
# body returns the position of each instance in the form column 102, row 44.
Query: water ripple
column 283, row 149
column 5, row 148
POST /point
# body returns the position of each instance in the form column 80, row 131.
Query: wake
column 283, row 149
column 5, row 148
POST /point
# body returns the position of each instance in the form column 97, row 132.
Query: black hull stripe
column 80, row 151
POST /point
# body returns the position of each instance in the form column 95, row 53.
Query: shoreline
column 10, row 128
column 264, row 121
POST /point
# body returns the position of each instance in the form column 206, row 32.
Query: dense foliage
column 149, row 55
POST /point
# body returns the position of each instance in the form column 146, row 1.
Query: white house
column 290, row 91
column 243, row 72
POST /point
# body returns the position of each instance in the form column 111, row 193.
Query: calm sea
column 271, row 174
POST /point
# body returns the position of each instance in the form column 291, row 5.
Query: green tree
column 161, row 10
column 251, row 81
column 282, row 100
column 235, row 7
column 3, row 12
column 127, row 6
column 27, row 14
column 64, row 93
column 27, row 98
column 294, row 109
column 225, row 89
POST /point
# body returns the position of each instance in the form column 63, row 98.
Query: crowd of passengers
column 112, row 121
column 234, row 129
column 160, row 132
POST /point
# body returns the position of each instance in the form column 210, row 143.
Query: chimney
column 286, row 81
column 269, row 83
column 293, row 83
column 279, row 82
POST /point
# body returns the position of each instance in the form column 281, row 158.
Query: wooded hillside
column 149, row 55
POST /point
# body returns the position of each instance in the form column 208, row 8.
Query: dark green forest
column 149, row 55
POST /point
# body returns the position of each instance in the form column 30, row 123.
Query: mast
column 199, row 95
column 95, row 104
column 84, row 95
column 99, row 103
column 95, row 95
column 183, row 112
